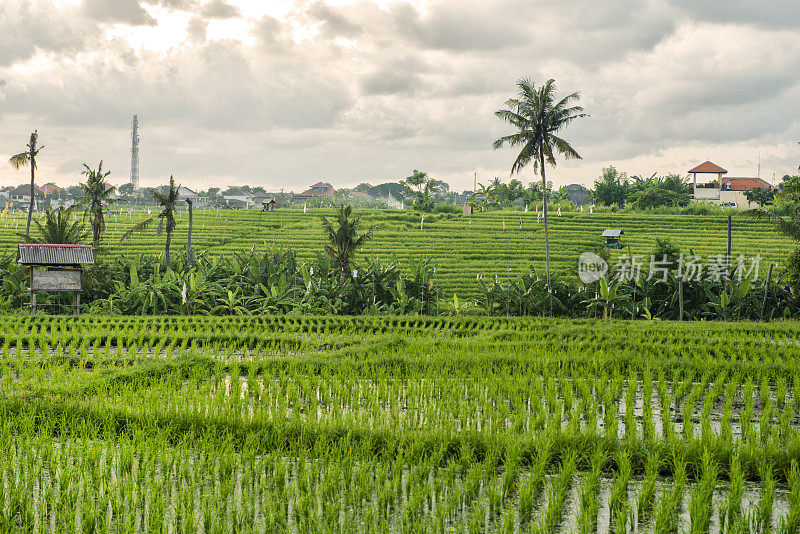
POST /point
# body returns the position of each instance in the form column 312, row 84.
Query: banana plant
column 459, row 306
column 231, row 304
column 404, row 303
column 608, row 296
column 730, row 303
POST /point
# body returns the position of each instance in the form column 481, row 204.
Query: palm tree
column 57, row 228
column 538, row 117
column 167, row 201
column 28, row 158
column 96, row 194
column 486, row 191
column 344, row 239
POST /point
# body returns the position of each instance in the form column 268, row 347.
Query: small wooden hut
column 613, row 238
column 467, row 209
column 55, row 268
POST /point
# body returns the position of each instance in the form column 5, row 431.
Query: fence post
column 729, row 238
column 680, row 298
column 766, row 290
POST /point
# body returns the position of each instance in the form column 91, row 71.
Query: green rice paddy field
column 397, row 424
column 460, row 247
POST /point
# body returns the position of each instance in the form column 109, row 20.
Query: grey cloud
column 183, row 5
column 196, row 29
column 272, row 35
column 26, row 27
column 772, row 14
column 118, row 11
column 335, row 23
column 416, row 89
column 219, row 85
column 218, row 9
column 475, row 26
column 398, row 76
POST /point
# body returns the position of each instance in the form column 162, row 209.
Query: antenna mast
column 135, row 152
column 759, row 165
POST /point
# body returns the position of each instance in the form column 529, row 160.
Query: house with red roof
column 49, row 189
column 319, row 189
column 716, row 188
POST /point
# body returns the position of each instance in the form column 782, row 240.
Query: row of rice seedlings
column 619, row 507
column 668, row 509
column 589, row 504
column 700, row 507
column 557, row 496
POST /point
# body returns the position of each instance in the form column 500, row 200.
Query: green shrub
column 792, row 269
column 666, row 248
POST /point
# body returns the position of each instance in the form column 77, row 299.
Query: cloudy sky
column 283, row 94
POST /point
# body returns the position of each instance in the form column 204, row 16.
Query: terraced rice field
column 461, row 247
column 397, row 424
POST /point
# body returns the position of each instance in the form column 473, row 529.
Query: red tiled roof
column 744, row 184
column 327, row 191
column 49, row 188
column 708, row 167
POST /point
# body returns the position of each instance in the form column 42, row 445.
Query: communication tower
column 135, row 152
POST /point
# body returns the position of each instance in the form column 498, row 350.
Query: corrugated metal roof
column 613, row 233
column 36, row 254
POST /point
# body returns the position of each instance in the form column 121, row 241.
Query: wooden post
column 32, row 305
column 680, row 298
column 766, row 290
column 729, row 240
column 77, row 302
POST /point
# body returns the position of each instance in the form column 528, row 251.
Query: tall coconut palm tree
column 96, row 194
column 28, row 158
column 167, row 200
column 59, row 229
column 189, row 237
column 539, row 116
column 344, row 239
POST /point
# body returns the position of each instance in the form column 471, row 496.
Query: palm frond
column 528, row 153
column 19, row 160
column 139, row 227
column 564, row 148
column 512, row 140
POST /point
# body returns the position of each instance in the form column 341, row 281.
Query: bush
column 447, row 207
column 665, row 247
column 792, row 269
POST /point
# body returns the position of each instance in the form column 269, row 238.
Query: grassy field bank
column 390, row 424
